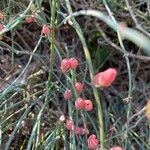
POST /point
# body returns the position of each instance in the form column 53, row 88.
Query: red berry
column 45, row 30
column 30, row 19
column 80, row 131
column 79, row 103
column 64, row 65
column 105, row 79
column 77, row 130
column 88, row 105
column 92, row 142
column 73, row 63
column 83, row 131
column 67, row 64
column 79, row 87
column 69, row 124
column 67, row 94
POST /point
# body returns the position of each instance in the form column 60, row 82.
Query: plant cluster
column 74, row 75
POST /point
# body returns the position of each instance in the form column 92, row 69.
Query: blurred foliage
column 99, row 52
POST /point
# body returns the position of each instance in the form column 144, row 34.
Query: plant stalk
column 88, row 58
column 52, row 37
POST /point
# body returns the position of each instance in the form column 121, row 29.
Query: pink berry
column 77, row 130
column 69, row 124
column 1, row 27
column 83, row 131
column 79, row 103
column 65, row 65
column 79, row 87
column 116, row 148
column 73, row 63
column 46, row 30
column 30, row 19
column 105, row 78
column 92, row 142
column 88, row 105
column 67, row 94
column 80, row 131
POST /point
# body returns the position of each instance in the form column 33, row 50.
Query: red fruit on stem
column 65, row 65
column 105, row 78
column 83, row 131
column 79, row 87
column 77, row 130
column 80, row 131
column 92, row 142
column 46, row 30
column 30, row 19
column 67, row 94
column 87, row 105
column 79, row 104
column 69, row 124
column 73, row 63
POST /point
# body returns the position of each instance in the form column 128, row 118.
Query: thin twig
column 75, row 24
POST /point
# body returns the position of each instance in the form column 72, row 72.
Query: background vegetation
column 32, row 84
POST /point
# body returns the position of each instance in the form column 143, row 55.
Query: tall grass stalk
column 128, row 68
column 52, row 37
column 88, row 58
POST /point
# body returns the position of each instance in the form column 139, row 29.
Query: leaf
column 99, row 53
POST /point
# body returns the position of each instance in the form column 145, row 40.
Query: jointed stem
column 52, row 34
column 88, row 58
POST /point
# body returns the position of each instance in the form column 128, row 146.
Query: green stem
column 52, row 36
column 128, row 68
column 88, row 58
column 23, row 71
